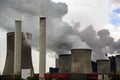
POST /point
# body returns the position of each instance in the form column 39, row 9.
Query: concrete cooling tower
column 103, row 66
column 81, row 61
column 26, row 60
column 64, row 63
column 118, row 63
column 57, row 63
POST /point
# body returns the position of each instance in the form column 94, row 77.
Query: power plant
column 77, row 65
column 26, row 63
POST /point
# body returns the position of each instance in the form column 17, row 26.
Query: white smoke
column 95, row 12
column 116, row 2
column 61, row 37
column 27, row 38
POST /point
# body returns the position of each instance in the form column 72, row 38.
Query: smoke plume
column 61, row 37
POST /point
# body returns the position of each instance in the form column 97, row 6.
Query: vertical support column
column 42, row 56
column 17, row 48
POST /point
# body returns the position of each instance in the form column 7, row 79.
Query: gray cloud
column 61, row 37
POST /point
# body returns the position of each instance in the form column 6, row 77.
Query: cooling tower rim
column 9, row 33
column 81, row 49
column 103, row 60
column 117, row 55
column 64, row 54
column 42, row 17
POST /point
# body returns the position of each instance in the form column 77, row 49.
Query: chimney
column 17, row 48
column 81, row 61
column 103, row 66
column 42, row 62
column 118, row 63
column 65, row 63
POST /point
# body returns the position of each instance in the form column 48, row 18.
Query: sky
column 67, row 19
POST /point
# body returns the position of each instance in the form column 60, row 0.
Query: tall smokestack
column 17, row 48
column 42, row 62
column 81, row 61
column 103, row 66
column 65, row 63
column 118, row 63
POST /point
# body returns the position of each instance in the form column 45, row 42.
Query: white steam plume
column 61, row 37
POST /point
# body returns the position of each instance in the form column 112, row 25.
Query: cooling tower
column 64, row 63
column 118, row 63
column 81, row 61
column 26, row 60
column 57, row 63
column 103, row 66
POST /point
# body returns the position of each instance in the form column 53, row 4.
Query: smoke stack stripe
column 17, row 48
column 42, row 56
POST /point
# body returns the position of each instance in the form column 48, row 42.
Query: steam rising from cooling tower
column 26, row 63
column 27, row 38
column 69, row 36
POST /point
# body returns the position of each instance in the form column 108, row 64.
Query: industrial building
column 82, row 67
column 77, row 65
column 26, row 63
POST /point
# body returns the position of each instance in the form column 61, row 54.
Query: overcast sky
column 102, row 14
